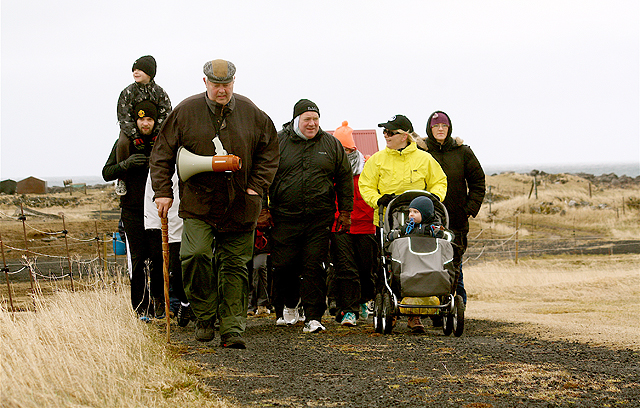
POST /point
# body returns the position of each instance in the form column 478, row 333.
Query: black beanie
column 146, row 64
column 145, row 108
column 425, row 206
column 304, row 105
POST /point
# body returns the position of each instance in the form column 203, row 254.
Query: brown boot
column 415, row 325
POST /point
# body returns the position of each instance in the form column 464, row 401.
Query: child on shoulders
column 143, row 88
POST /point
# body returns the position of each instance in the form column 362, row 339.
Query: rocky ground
column 490, row 365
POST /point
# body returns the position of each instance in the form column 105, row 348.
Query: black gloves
column 385, row 200
column 135, row 160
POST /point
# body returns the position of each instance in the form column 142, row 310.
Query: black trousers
column 140, row 243
column 175, row 267
column 459, row 248
column 354, row 258
column 299, row 257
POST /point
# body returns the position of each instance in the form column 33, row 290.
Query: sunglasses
column 439, row 126
column 389, row 132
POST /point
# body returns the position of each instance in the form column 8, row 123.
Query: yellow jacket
column 391, row 171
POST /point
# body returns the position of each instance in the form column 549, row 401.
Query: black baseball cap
column 398, row 122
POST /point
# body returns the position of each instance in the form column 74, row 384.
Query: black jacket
column 311, row 174
column 135, row 178
column 465, row 177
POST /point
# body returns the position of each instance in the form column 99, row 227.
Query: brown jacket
column 220, row 199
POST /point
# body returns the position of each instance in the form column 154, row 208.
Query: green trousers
column 214, row 273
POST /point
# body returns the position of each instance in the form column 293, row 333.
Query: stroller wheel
column 454, row 321
column 387, row 314
column 377, row 314
column 458, row 322
column 447, row 326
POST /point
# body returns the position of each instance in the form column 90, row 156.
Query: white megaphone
column 189, row 163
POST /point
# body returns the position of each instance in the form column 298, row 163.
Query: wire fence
column 44, row 262
column 65, row 264
column 489, row 244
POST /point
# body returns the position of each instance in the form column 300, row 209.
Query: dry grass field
column 592, row 299
column 85, row 348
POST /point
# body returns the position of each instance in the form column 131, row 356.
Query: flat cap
column 219, row 71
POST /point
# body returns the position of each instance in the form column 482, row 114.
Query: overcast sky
column 524, row 82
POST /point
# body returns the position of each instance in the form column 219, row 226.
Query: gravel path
column 489, row 366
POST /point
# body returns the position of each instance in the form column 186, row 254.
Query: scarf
column 356, row 159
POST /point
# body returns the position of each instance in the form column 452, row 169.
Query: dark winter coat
column 465, row 177
column 135, row 178
column 311, row 175
column 218, row 198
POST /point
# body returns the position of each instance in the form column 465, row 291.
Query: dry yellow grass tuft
column 88, row 349
column 594, row 299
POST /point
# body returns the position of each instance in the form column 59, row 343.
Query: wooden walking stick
column 165, row 272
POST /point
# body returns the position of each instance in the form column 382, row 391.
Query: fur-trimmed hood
column 422, row 143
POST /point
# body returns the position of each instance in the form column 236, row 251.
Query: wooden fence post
column 98, row 245
column 66, row 244
column 26, row 246
column 6, row 275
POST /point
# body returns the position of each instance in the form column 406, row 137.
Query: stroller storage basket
column 422, row 266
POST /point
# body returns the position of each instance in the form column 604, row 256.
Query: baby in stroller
column 417, row 277
column 422, row 221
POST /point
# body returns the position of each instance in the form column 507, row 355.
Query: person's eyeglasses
column 390, row 132
column 439, row 126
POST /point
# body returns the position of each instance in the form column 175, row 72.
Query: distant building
column 31, row 185
column 366, row 140
column 8, row 186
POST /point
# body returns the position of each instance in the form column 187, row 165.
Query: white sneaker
column 290, row 315
column 280, row 322
column 313, row 326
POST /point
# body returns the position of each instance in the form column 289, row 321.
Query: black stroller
column 416, row 267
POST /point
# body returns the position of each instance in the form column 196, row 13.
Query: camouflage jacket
column 133, row 95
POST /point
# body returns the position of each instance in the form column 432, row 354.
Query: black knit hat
column 145, row 108
column 398, row 122
column 425, row 206
column 304, row 105
column 146, row 64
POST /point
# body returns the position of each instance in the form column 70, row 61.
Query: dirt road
column 491, row 365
